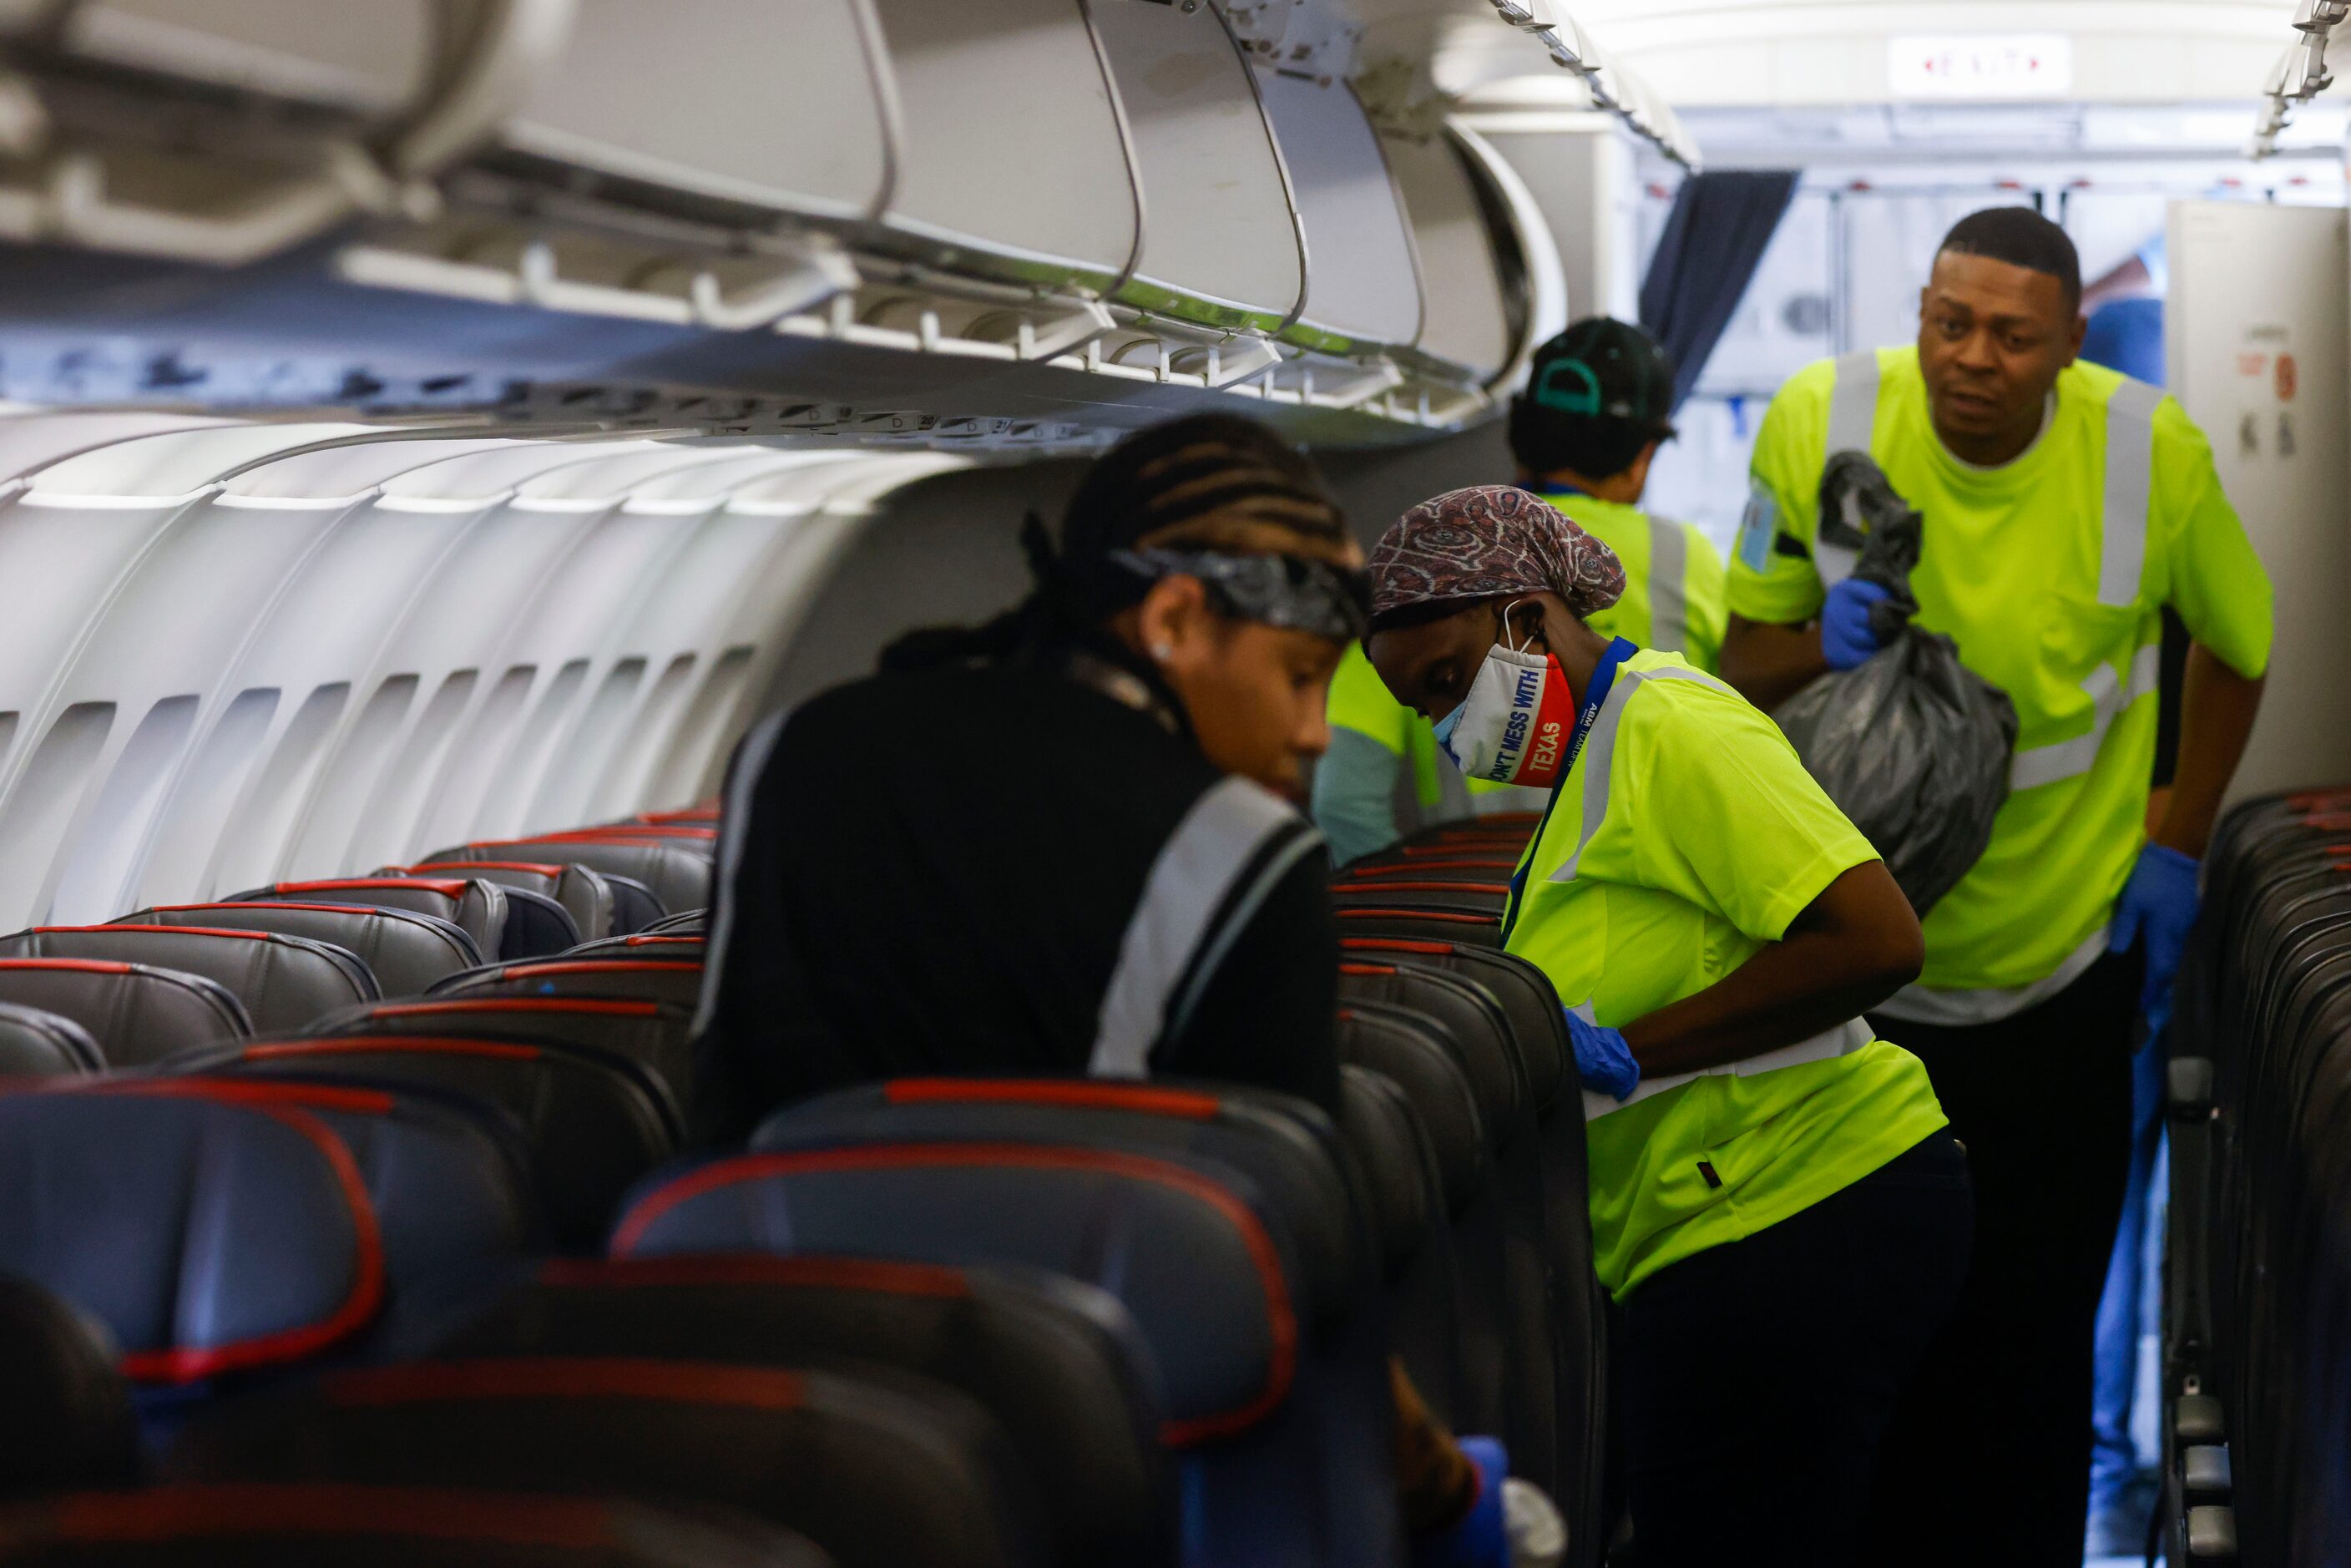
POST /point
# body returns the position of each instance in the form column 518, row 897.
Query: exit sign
column 1981, row 65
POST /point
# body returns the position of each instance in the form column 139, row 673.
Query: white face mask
column 1513, row 727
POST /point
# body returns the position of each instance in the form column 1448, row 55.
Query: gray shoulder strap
column 2130, row 488
column 1218, row 840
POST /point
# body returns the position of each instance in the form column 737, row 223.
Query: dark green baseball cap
column 1605, row 369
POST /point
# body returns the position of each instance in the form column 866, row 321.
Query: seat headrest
column 655, row 1038
column 1392, row 1160
column 476, row 907
column 210, row 1234
column 1409, row 1050
column 594, row 1123
column 262, row 1525
column 689, row 948
column 66, row 1416
column 677, row 876
column 1287, row 1152
column 586, row 896
column 138, row 1015
column 1525, row 995
column 37, row 1044
column 644, row 977
column 283, row 982
column 1059, row 1364
column 1470, row 1022
column 406, row 951
column 1207, row 1282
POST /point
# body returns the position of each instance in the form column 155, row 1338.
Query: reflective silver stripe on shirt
column 1961, row 1010
column 2130, row 487
column 734, row 821
column 1599, row 755
column 1846, row 1038
column 2110, row 696
column 1196, row 868
column 1668, row 586
column 1853, row 406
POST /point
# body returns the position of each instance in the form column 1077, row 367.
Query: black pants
column 1988, row 1461
column 1758, row 1376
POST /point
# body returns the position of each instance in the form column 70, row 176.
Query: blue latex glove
column 1482, row 1538
column 1603, row 1060
column 1846, row 636
column 2158, row 904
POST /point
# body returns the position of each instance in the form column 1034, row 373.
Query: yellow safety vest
column 1674, row 582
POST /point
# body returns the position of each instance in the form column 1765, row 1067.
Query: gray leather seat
column 675, row 876
column 655, row 977
column 479, row 908
column 138, row 1014
column 656, row 1036
column 283, row 982
column 407, row 952
column 586, row 896
column 37, row 1044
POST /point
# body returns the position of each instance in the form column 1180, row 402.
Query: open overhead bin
column 1222, row 244
column 1472, row 313
column 1362, row 282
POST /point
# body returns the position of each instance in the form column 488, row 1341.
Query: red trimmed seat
column 404, row 951
column 137, row 1013
column 652, row 876
column 650, row 977
column 283, row 982
column 36, row 1044
column 654, row 1037
column 584, row 894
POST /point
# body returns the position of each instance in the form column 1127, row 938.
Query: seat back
column 1271, row 1466
column 653, row 978
column 283, row 982
column 655, row 1037
column 878, row 1470
column 238, row 1235
column 66, row 1419
column 675, row 876
column 1426, row 1324
column 476, row 908
column 1452, row 891
column 405, row 952
column 37, row 1044
column 686, row 947
column 1394, row 916
column 696, row 921
column 703, row 814
column 584, row 895
column 258, row 1525
column 593, row 1122
column 1058, row 1364
column 137, row 1014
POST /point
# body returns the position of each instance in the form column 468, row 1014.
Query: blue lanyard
column 1595, row 695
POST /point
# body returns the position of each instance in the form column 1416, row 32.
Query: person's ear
column 1526, row 620
column 2075, row 338
column 1173, row 619
column 1639, row 472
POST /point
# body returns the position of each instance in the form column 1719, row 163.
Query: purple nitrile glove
column 2158, row 904
column 1846, row 636
column 1480, row 1538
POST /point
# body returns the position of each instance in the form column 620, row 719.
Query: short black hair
column 2020, row 236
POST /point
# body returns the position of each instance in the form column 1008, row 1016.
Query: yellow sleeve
column 1725, row 816
column 1709, row 607
column 2214, row 579
column 1772, row 577
column 1360, row 701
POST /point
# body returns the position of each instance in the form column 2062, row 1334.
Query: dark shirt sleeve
column 1267, row 1014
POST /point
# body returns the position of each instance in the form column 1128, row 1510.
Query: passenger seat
column 406, row 952
column 284, row 982
column 137, row 1014
column 37, row 1044
column 503, row 923
column 654, row 977
column 654, row 1037
column 649, row 877
column 584, row 894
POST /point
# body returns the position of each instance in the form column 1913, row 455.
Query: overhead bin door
column 1014, row 157
column 1361, row 285
column 1465, row 311
column 1221, row 242
column 362, row 59
column 780, row 106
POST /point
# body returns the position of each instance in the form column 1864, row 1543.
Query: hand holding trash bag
column 1911, row 744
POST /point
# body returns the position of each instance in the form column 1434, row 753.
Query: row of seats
column 429, row 1230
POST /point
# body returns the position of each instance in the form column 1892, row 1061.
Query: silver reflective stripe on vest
column 1848, row 1037
column 1197, row 869
column 2110, row 695
column 1852, row 427
column 1963, row 1010
column 2130, row 487
column 1599, row 756
column 734, row 821
column 1668, row 586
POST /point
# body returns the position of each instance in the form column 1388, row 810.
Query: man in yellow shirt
column 1598, row 405
column 2066, row 507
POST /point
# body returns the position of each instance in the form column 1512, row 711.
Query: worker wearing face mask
column 2065, row 506
column 1597, row 406
column 1774, row 1201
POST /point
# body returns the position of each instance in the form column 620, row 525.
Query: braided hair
column 1214, row 482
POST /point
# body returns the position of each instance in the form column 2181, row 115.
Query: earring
column 1163, row 652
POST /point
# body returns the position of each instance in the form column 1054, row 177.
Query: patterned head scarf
column 1486, row 542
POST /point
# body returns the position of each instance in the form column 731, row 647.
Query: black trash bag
column 1912, row 744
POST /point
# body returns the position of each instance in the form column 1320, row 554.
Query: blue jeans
column 2131, row 1307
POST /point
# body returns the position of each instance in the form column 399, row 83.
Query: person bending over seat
column 1065, row 842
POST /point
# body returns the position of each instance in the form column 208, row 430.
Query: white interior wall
column 2248, row 285
column 264, row 651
